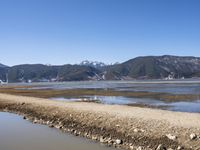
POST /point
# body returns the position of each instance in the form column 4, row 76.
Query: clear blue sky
column 69, row 31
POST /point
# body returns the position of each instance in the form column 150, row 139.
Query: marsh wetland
column 121, row 114
column 181, row 95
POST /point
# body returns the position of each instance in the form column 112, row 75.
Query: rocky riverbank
column 120, row 126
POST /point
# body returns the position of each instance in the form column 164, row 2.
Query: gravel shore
column 120, row 126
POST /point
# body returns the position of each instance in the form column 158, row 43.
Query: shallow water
column 193, row 106
column 19, row 134
column 181, row 88
column 174, row 86
column 159, row 86
column 185, row 106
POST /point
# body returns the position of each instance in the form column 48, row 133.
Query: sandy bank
column 121, row 126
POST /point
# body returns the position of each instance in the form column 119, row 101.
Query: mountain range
column 146, row 67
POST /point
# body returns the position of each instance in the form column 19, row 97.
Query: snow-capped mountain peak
column 95, row 64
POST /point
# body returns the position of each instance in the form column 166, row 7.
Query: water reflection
column 193, row 106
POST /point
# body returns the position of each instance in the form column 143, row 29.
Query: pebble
column 171, row 137
column 142, row 130
column 94, row 138
column 193, row 136
column 138, row 130
column 179, row 148
column 110, row 141
column 118, row 141
column 85, row 134
column 75, row 133
column 160, row 147
column 51, row 126
column 139, row 148
column 135, row 130
column 102, row 139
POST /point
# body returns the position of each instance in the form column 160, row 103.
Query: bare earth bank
column 120, row 126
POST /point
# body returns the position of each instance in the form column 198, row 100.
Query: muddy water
column 19, row 134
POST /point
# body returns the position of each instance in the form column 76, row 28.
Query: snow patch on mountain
column 95, row 64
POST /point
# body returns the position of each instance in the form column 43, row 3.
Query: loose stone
column 160, row 147
column 139, row 148
column 102, row 139
column 179, row 148
column 193, row 136
column 118, row 141
column 51, row 126
column 171, row 137
column 131, row 147
column 135, row 130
